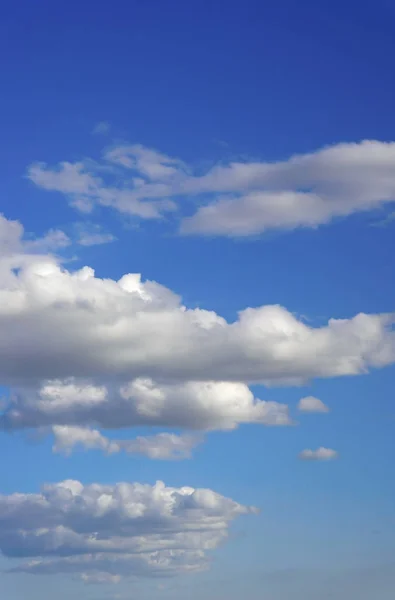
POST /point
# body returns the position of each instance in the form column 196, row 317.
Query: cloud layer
column 83, row 354
column 102, row 533
column 237, row 199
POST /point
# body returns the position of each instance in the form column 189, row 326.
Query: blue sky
column 217, row 149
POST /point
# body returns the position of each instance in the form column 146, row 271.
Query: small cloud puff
column 310, row 404
column 319, row 454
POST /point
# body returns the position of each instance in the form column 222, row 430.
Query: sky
column 197, row 344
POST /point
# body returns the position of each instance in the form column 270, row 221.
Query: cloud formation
column 56, row 324
column 102, row 533
column 198, row 405
column 15, row 241
column 239, row 199
column 319, row 454
column 82, row 355
column 91, row 234
column 310, row 404
column 163, row 446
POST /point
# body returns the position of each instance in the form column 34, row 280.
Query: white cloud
column 305, row 191
column 244, row 198
column 84, row 184
column 163, row 446
column 95, row 239
column 319, row 454
column 150, row 164
column 195, row 405
column 67, row 438
column 310, row 404
column 82, row 353
column 56, row 324
column 54, row 239
column 13, row 239
column 70, row 178
column 102, row 532
column 91, row 234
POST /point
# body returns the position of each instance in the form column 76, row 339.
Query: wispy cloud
column 236, row 199
column 162, row 446
column 92, row 234
column 15, row 240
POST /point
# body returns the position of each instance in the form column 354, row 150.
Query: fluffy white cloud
column 82, row 353
column 163, row 446
column 244, row 198
column 196, row 405
column 103, row 532
column 310, row 404
column 56, row 324
column 319, row 454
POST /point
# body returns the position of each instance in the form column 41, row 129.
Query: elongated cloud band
column 56, row 324
column 163, row 446
column 236, row 199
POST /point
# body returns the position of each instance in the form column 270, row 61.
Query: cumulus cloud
column 102, row 532
column 319, row 454
column 196, row 405
column 163, row 446
column 83, row 354
column 310, row 404
column 240, row 198
column 56, row 324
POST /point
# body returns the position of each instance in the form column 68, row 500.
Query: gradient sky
column 106, row 87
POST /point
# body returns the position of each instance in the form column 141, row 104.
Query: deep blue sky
column 209, row 81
